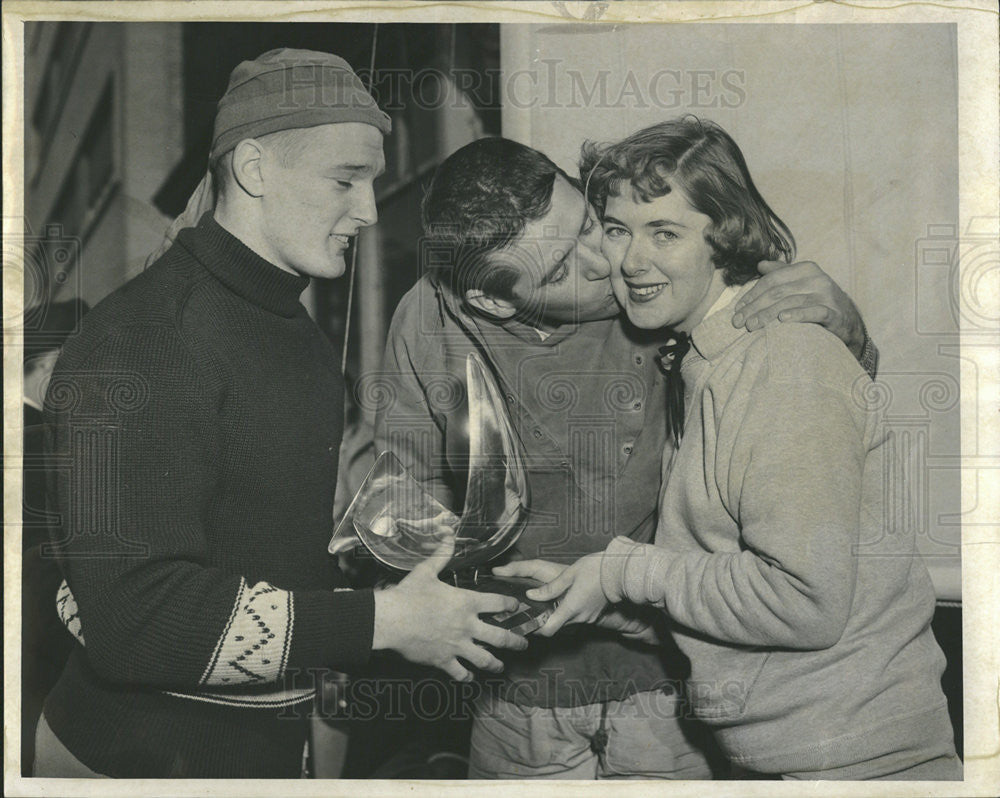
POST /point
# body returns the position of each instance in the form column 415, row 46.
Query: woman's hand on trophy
column 576, row 587
column 622, row 618
column 629, row 621
column 432, row 623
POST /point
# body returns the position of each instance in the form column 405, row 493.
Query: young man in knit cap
column 516, row 274
column 199, row 414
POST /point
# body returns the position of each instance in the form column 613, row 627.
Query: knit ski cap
column 286, row 88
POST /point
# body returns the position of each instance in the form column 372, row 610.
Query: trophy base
column 529, row 616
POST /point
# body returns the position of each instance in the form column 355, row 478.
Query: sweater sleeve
column 133, row 429
column 792, row 481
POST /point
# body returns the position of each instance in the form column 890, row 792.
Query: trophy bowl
column 401, row 523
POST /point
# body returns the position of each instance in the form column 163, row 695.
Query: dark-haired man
column 199, row 414
column 516, row 274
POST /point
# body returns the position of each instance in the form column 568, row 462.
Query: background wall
column 851, row 135
column 103, row 125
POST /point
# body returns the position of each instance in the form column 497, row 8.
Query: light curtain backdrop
column 850, row 133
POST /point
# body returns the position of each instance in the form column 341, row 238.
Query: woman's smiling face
column 662, row 271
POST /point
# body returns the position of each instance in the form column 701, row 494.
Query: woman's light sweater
column 785, row 560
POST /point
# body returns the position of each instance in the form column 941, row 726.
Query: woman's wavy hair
column 699, row 158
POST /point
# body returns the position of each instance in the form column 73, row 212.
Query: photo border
column 979, row 177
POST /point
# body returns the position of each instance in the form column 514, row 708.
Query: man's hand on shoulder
column 801, row 292
column 432, row 623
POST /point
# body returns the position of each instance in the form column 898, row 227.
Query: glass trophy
column 402, row 524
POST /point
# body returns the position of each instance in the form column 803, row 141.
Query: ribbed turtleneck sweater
column 197, row 419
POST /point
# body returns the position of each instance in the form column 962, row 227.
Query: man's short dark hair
column 478, row 202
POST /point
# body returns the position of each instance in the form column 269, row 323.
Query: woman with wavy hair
column 799, row 599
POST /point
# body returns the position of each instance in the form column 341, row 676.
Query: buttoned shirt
column 588, row 404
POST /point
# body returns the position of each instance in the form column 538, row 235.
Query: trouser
column 53, row 760
column 45, row 644
column 644, row 736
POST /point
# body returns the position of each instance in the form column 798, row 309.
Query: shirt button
column 627, row 449
column 537, row 432
column 638, row 360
